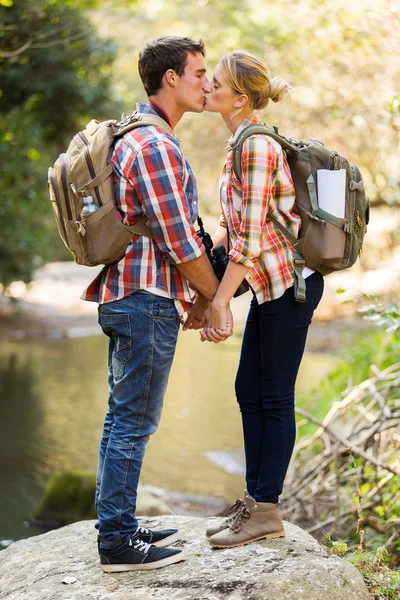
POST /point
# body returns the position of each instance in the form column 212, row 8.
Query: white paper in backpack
column 331, row 190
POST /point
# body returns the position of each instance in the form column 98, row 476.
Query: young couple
column 143, row 297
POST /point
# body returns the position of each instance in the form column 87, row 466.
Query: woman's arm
column 221, row 237
column 259, row 164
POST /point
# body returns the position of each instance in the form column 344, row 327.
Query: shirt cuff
column 238, row 257
column 185, row 252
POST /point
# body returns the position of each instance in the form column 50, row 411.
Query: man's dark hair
column 162, row 54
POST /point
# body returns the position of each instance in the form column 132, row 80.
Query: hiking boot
column 136, row 555
column 229, row 514
column 255, row 521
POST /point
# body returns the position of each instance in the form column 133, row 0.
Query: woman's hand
column 195, row 318
column 219, row 324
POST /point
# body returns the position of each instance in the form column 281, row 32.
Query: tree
column 55, row 73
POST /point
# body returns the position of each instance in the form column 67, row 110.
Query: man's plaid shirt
column 152, row 177
column 267, row 187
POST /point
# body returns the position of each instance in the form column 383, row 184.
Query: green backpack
column 326, row 243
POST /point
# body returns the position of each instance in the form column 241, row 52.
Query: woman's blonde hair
column 248, row 74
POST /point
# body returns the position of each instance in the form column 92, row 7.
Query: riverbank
column 50, row 307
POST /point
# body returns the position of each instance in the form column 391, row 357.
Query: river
column 54, row 395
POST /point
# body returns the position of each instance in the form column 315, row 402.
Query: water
column 53, row 401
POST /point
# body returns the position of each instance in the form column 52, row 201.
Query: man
column 142, row 298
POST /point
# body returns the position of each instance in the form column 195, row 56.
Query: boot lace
column 234, row 508
column 235, row 523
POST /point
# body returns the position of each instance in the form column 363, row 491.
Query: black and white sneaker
column 161, row 539
column 137, row 555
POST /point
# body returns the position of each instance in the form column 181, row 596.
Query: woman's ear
column 170, row 77
column 241, row 101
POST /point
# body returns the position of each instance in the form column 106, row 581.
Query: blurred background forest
column 64, row 62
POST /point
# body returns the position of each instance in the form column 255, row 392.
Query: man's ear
column 241, row 101
column 171, row 77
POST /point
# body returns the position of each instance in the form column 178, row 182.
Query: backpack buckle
column 299, row 262
column 356, row 185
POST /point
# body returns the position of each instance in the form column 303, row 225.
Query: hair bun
column 278, row 89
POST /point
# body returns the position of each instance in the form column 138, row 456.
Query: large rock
column 293, row 568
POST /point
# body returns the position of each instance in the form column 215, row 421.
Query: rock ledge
column 293, row 568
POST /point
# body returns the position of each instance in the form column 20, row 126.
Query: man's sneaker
column 136, row 555
column 161, row 539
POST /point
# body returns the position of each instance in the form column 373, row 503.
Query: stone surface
column 293, row 568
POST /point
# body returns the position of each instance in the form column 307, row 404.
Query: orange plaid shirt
column 267, row 187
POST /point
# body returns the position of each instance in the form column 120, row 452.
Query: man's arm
column 200, row 275
column 157, row 175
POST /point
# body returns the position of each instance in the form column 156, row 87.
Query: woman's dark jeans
column 272, row 349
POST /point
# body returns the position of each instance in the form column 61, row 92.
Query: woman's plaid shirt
column 152, row 177
column 267, row 187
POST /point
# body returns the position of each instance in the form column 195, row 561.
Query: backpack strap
column 137, row 119
column 287, row 144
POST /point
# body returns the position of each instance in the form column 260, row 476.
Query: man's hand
column 195, row 319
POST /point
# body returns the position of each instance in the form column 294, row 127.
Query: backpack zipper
column 90, row 165
column 65, row 185
column 357, row 219
column 58, row 202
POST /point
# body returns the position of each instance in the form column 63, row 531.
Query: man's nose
column 207, row 86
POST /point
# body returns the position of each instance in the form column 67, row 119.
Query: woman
column 276, row 328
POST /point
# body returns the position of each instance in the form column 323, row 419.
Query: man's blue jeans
column 142, row 330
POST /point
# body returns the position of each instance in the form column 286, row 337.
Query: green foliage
column 387, row 316
column 52, row 58
column 360, row 351
column 382, row 582
column 28, row 229
column 55, row 75
column 375, row 491
column 340, row 57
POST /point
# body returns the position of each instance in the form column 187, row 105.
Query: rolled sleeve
column 259, row 169
column 157, row 175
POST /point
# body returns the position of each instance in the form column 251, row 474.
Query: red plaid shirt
column 267, row 187
column 152, row 177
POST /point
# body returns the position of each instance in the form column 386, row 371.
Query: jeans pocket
column 117, row 327
column 164, row 308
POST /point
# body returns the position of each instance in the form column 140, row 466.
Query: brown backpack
column 326, row 243
column 86, row 169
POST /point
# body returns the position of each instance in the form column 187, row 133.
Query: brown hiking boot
column 255, row 521
column 229, row 514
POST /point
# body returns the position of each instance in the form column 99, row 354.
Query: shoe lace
column 235, row 523
column 140, row 545
column 143, row 530
column 234, row 508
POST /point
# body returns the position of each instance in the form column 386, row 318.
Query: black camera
column 218, row 258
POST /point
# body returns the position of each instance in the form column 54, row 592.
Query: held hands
column 195, row 318
column 218, row 324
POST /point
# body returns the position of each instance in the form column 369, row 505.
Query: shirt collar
column 249, row 120
column 161, row 113
column 146, row 109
